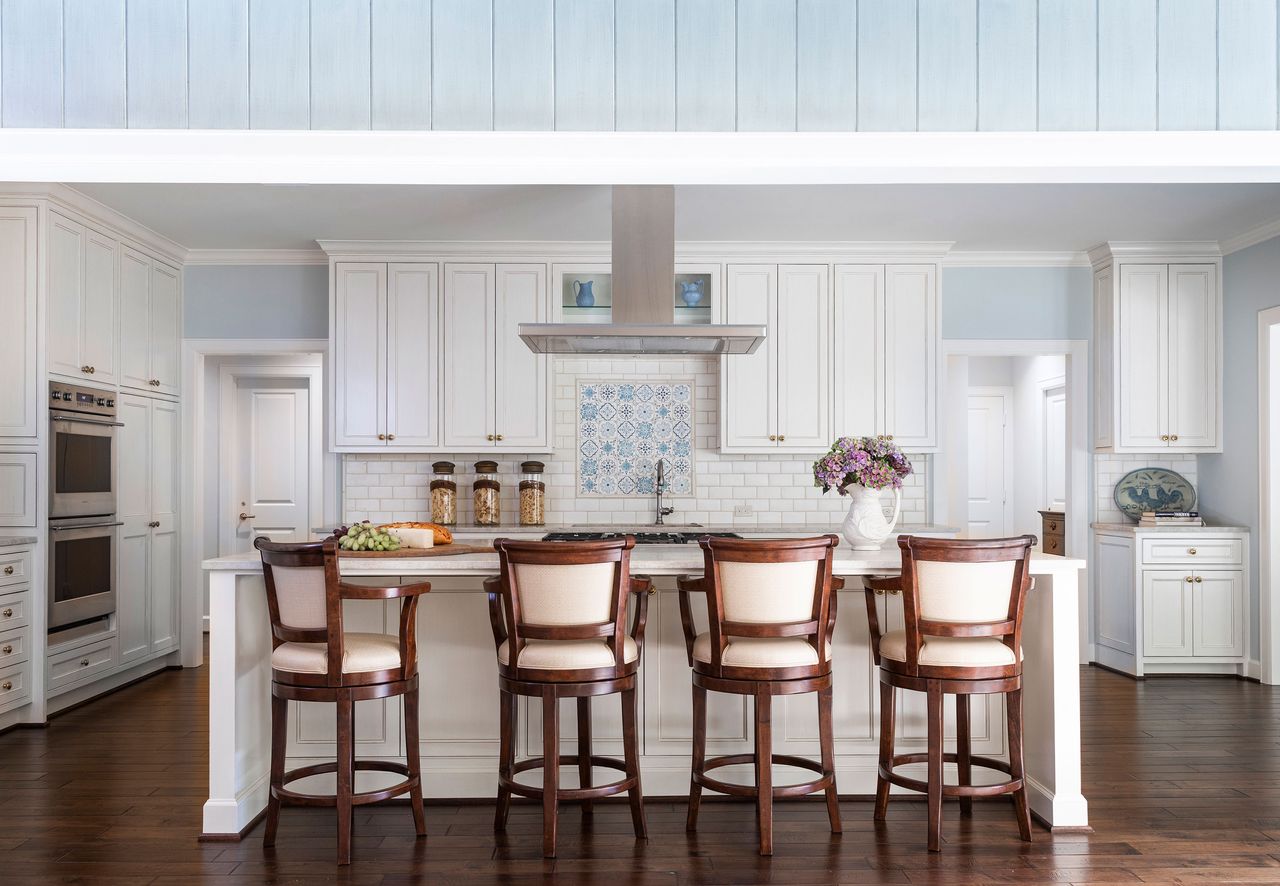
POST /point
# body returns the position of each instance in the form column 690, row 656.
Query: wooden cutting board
column 437, row 551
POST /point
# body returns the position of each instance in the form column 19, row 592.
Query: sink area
column 675, row 536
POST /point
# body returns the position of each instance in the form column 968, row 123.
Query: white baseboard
column 1253, row 670
column 79, row 694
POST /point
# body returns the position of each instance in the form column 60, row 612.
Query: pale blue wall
column 259, row 301
column 1017, row 303
column 1228, row 483
column 640, row 64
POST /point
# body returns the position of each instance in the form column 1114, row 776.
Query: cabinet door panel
column 359, row 358
column 18, row 489
column 1166, row 613
column 1115, row 617
column 1219, row 613
column 748, row 413
column 803, row 316
column 413, row 359
column 1193, row 356
column 98, row 309
column 857, row 371
column 133, row 508
column 521, row 395
column 911, row 356
column 468, row 348
column 135, row 320
column 163, row 559
column 166, row 300
column 20, row 398
column 66, row 292
column 1142, row 357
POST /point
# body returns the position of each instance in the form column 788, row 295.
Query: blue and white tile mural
column 625, row 427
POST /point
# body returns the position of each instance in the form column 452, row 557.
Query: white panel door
column 1103, row 346
column 1218, row 613
column 857, row 358
column 135, row 320
column 162, row 567
column 989, row 465
column 748, row 401
column 133, row 509
column 1055, row 448
column 166, row 302
column 65, row 296
column 269, row 463
column 359, row 358
column 468, row 349
column 910, row 356
column 413, row 357
column 1142, row 359
column 20, row 397
column 1193, row 356
column 1167, row 613
column 804, row 373
column 521, row 396
column 98, row 307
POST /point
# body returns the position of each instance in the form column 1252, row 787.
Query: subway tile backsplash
column 1108, row 470
column 779, row 488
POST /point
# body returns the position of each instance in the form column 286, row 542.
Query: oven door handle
column 85, row 526
column 75, row 419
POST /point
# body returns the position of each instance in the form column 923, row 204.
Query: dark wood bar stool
column 771, row 613
column 558, row 611
column 962, row 606
column 314, row 659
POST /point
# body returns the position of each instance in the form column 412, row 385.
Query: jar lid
column 486, row 467
column 442, row 467
column 531, row 467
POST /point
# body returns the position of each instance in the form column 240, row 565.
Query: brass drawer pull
column 84, row 662
column 1191, row 551
column 8, row 613
column 7, row 649
column 6, row 685
column 8, row 570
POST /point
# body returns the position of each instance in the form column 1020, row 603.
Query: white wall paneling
column 157, row 64
column 218, row 64
column 524, row 64
column 644, row 65
column 887, row 64
column 1247, row 83
column 400, row 80
column 279, row 64
column 340, row 65
column 1127, row 64
column 1067, row 72
column 705, row 65
column 93, row 90
column 948, row 68
column 584, row 64
column 461, row 65
column 826, row 65
column 1007, row 65
column 1188, row 64
column 766, row 60
column 31, row 63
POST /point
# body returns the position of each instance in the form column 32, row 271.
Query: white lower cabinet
column 18, row 489
column 1171, row 602
column 15, row 627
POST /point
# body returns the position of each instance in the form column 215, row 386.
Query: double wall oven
column 82, row 504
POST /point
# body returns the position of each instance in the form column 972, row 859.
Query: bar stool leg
column 934, row 717
column 1013, row 704
column 279, row 729
column 550, row 770
column 584, row 749
column 346, row 777
column 764, row 769
column 631, row 748
column 413, row 757
column 506, row 755
column 963, row 748
column 888, row 714
column 826, row 734
column 699, row 755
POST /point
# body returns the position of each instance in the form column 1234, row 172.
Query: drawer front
column 15, row 568
column 15, row 646
column 15, row 610
column 84, row 663
column 1053, row 545
column 1191, row 549
column 15, row 685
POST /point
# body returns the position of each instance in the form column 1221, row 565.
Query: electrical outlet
column 742, row 510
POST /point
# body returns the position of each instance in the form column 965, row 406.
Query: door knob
column 243, row 516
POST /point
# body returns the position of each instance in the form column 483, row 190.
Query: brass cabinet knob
column 773, row 438
column 489, row 437
column 84, row 662
column 1190, row 579
column 782, row 437
column 8, row 570
column 1173, row 437
column 1164, row 437
column 1199, row 579
column 1191, row 551
column 6, row 685
column 7, row 648
column 497, row 437
column 382, row 436
column 891, row 436
column 8, row 613
column 391, row 436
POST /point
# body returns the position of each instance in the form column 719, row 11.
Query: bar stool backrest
column 302, row 594
column 565, row 591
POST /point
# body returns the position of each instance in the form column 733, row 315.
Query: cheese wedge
column 413, row 538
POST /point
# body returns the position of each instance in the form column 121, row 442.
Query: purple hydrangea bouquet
column 862, row 468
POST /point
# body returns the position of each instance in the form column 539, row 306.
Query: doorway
column 990, row 463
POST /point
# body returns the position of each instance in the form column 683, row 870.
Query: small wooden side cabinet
column 1053, row 532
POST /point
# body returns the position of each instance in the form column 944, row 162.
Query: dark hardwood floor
column 1182, row 776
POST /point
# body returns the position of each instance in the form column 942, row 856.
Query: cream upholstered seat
column 361, row 653
column 950, row 652
column 760, row 652
column 569, row 654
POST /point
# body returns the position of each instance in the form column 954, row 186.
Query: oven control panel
column 91, row 401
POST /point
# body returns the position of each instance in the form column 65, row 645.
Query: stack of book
column 1170, row 518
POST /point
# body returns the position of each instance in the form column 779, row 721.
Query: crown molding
column 1251, row 237
column 1154, row 249
column 296, row 257
column 1016, row 259
column 597, row 250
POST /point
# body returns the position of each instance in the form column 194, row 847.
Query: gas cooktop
column 642, row 538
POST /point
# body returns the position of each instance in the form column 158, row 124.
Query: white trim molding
column 256, row 257
column 601, row 250
column 1251, row 237
column 1159, row 251
column 1268, row 495
column 1015, row 259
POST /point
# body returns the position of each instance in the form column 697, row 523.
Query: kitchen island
column 460, row 688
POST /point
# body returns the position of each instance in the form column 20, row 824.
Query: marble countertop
column 748, row 531
column 17, row 541
column 1134, row 529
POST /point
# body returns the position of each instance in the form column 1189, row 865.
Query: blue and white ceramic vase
column 691, row 292
column 583, row 297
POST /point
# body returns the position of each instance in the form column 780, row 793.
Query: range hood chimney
column 644, row 263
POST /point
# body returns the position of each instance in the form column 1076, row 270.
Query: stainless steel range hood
column 644, row 262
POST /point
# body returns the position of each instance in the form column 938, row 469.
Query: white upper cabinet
column 20, row 397
column 150, row 330
column 413, row 376
column 521, row 404
column 1158, row 360
column 885, row 353
column 82, row 302
column 166, row 330
column 748, row 386
column 359, row 354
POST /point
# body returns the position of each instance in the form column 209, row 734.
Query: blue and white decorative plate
column 624, row 428
column 1153, row 489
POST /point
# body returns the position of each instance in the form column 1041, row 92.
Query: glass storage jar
column 533, row 494
column 444, row 494
column 486, row 492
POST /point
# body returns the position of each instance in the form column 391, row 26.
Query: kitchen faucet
column 659, row 486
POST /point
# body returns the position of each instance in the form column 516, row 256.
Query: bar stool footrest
column 748, row 790
column 952, row 790
column 299, row 798
column 595, row 792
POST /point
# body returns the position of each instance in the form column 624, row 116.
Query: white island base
column 459, row 686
